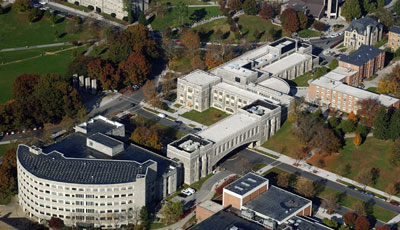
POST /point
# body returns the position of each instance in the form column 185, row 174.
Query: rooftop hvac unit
column 248, row 214
column 189, row 145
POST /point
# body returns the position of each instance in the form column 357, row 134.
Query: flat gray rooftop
column 105, row 140
column 227, row 127
column 303, row 224
column 98, row 126
column 226, row 220
column 246, row 183
column 285, row 63
column 277, row 204
column 201, row 78
column 54, row 166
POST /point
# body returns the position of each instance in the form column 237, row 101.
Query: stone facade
column 114, row 7
column 363, row 31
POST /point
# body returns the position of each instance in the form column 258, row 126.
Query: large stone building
column 366, row 61
column 116, row 7
column 252, row 124
column 394, row 38
column 329, row 91
column 363, row 31
column 91, row 178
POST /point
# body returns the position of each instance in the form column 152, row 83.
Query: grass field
column 55, row 63
column 6, row 57
column 307, row 33
column 372, row 153
column 372, row 89
column 188, row 2
column 16, row 31
column 171, row 19
column 207, row 117
column 283, row 141
column 248, row 25
column 6, row 146
column 303, row 79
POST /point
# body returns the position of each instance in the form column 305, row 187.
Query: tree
column 21, row 5
column 383, row 227
column 172, row 211
column 78, row 66
column 330, row 203
column 362, row 223
column 56, row 34
column 285, row 13
column 74, row 25
column 291, row 23
column 53, row 19
column 318, row 25
column 330, row 223
column 34, row 15
column 392, row 190
column 365, row 177
column 256, row 34
column 306, row 188
column 351, row 9
column 344, row 227
column 146, row 136
column 56, row 223
column 359, row 208
column 197, row 63
column 385, row 16
column 381, row 124
column 352, row 116
column 135, row 69
column 303, row 127
column 347, row 126
column 368, row 109
column 266, row 11
column 250, row 7
column 235, row 5
column 394, row 151
column 144, row 218
column 109, row 77
column 94, row 68
column 325, row 140
column 303, row 20
column 344, row 169
column 150, row 92
column 396, row 7
column 1, row 9
column 333, row 64
column 362, row 130
column 182, row 10
column 282, row 180
column 357, row 139
column 333, row 122
column 142, row 18
column 394, row 127
column 190, row 40
column 350, row 218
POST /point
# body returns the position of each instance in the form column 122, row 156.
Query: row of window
column 235, row 141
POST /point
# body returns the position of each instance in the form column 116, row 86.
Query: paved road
column 255, row 157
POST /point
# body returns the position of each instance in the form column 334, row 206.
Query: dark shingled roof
column 225, row 220
column 360, row 25
column 315, row 6
column 246, row 183
column 395, row 29
column 362, row 55
column 277, row 203
column 54, row 166
column 99, row 126
column 105, row 140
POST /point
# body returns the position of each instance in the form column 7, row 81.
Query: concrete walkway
column 387, row 70
column 324, row 173
column 36, row 47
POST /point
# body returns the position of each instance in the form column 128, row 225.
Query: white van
column 161, row 115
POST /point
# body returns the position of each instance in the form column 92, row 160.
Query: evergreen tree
column 351, row 9
column 394, row 128
column 144, row 218
column 142, row 18
column 381, row 124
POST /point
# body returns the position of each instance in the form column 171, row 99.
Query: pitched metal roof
column 360, row 25
column 56, row 167
column 395, row 29
column 362, row 55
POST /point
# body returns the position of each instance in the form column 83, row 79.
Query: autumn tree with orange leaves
column 135, row 69
column 357, row 139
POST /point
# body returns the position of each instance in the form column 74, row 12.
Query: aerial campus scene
column 200, row 114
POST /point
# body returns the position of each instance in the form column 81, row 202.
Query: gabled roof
column 360, row 25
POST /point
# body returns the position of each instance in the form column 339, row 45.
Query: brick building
column 363, row 31
column 336, row 94
column 367, row 60
column 394, row 38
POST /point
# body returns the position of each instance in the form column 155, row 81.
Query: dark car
column 68, row 16
column 394, row 203
column 182, row 195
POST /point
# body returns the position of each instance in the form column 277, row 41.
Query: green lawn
column 371, row 153
column 248, row 25
column 163, row 130
column 6, row 146
column 283, row 141
column 16, row 31
column 188, row 2
column 307, row 33
column 347, row 201
column 303, row 79
column 56, row 63
column 207, row 117
column 372, row 89
column 6, row 57
column 171, row 19
column 258, row 166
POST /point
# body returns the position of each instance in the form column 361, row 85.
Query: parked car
column 162, row 115
column 370, row 195
column 188, row 191
column 182, row 195
column 68, row 16
column 394, row 203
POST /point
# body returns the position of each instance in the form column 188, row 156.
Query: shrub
column 76, row 3
column 90, row 7
column 98, row 10
column 113, row 15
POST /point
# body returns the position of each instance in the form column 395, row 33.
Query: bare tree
column 282, row 180
column 306, row 188
column 392, row 190
column 243, row 165
column 330, row 203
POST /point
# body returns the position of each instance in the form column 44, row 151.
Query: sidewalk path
column 324, row 173
column 381, row 73
column 36, row 47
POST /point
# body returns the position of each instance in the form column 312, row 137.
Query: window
column 80, row 210
column 237, row 79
